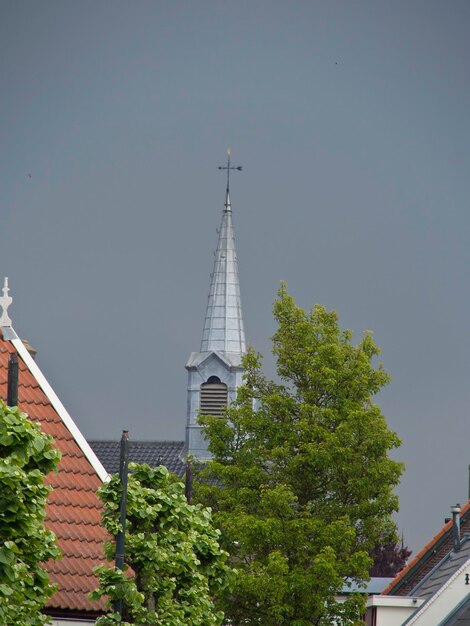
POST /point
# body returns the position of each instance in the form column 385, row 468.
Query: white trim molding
column 61, row 410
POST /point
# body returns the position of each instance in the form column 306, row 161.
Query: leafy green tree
column 26, row 457
column 301, row 483
column 173, row 559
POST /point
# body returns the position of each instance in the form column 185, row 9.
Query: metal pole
column 189, row 482
column 455, row 510
column 121, row 536
column 12, row 398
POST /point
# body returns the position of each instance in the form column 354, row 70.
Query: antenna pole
column 121, row 536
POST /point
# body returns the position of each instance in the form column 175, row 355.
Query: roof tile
column 74, row 511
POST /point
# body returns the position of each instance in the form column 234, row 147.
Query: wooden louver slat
column 213, row 399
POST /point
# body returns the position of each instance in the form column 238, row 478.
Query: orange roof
column 74, row 510
column 432, row 553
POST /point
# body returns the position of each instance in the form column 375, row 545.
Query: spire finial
column 5, row 302
column 229, row 167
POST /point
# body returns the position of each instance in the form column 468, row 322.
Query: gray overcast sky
column 351, row 120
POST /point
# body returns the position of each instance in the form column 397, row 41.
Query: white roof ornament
column 5, row 302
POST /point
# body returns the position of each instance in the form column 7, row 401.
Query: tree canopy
column 389, row 559
column 26, row 457
column 173, row 562
column 301, row 482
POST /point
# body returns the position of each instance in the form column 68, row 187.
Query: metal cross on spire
column 229, row 167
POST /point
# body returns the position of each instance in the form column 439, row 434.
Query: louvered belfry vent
column 213, row 398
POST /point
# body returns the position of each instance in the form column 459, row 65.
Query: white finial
column 5, row 302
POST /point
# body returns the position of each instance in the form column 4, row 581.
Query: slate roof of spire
column 223, row 325
column 73, row 510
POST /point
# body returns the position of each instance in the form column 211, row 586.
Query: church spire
column 223, row 325
column 216, row 372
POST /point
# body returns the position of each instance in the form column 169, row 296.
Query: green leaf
column 27, row 456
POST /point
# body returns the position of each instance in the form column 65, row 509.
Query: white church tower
column 215, row 372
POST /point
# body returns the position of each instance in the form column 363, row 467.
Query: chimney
column 455, row 510
column 12, row 395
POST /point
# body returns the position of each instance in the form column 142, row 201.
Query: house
column 434, row 588
column 73, row 510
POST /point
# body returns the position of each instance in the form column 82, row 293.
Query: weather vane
column 229, row 167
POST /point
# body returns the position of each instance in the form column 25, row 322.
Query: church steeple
column 223, row 325
column 215, row 372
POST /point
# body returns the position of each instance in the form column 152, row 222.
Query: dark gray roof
column 438, row 576
column 167, row 453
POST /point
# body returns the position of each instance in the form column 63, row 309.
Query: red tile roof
column 74, row 510
column 432, row 553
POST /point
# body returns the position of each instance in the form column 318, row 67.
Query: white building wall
column 390, row 610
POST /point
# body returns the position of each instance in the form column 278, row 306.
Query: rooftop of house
column 435, row 579
column 167, row 453
column 73, row 510
column 430, row 556
column 442, row 596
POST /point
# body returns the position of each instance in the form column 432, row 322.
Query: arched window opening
column 213, row 397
